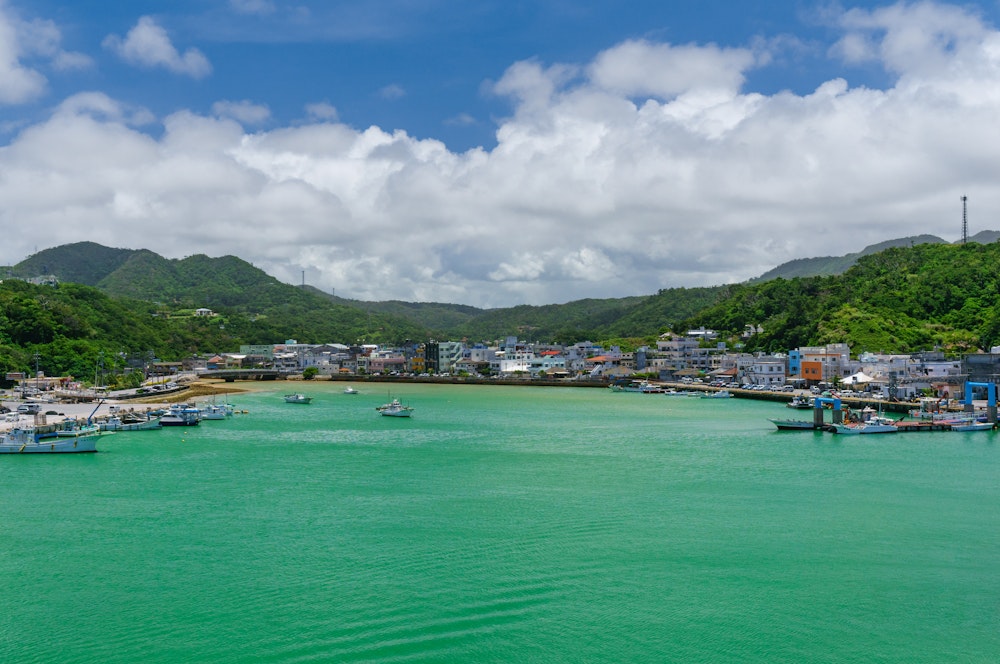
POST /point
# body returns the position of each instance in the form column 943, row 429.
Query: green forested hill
column 929, row 296
column 900, row 299
column 257, row 304
column 81, row 263
column 830, row 265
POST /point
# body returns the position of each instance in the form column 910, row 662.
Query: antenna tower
column 965, row 221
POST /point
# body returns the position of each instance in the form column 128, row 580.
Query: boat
column 181, row 416
column 115, row 423
column 973, row 425
column 933, row 409
column 627, row 385
column 350, row 390
column 297, row 398
column 800, row 402
column 74, row 429
column 71, row 438
column 394, row 408
column 793, row 425
column 874, row 424
column 720, row 394
column 214, row 412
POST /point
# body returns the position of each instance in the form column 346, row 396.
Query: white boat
column 65, row 441
column 972, row 426
column 793, row 425
column 350, row 390
column 116, row 423
column 875, row 424
column 800, row 402
column 297, row 398
column 394, row 408
column 720, row 394
column 214, row 412
column 181, row 416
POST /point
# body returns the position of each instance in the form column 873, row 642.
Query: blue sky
column 424, row 67
column 496, row 153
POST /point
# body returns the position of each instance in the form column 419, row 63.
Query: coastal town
column 696, row 357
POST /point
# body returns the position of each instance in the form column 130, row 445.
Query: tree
column 309, row 373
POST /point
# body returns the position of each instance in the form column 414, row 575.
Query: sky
column 496, row 153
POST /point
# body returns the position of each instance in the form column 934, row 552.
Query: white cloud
column 392, row 91
column 148, row 45
column 650, row 167
column 244, row 111
column 323, row 111
column 37, row 42
column 18, row 83
column 461, row 120
column 641, row 68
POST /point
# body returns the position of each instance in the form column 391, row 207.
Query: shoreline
column 202, row 389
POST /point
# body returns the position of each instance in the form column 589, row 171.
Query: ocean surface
column 503, row 524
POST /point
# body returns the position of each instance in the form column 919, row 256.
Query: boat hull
column 118, row 425
column 26, row 442
column 864, row 429
column 794, row 425
column 973, row 426
column 178, row 421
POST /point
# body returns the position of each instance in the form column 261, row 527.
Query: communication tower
column 965, row 221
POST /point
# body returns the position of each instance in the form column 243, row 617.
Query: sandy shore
column 201, row 391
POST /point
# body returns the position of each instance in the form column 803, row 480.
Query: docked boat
column 297, row 398
column 214, row 412
column 800, row 402
column 181, row 416
column 720, row 394
column 874, row 424
column 69, row 440
column 394, row 408
column 973, row 425
column 793, row 425
column 116, row 423
column 627, row 385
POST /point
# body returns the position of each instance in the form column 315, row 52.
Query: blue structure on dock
column 838, row 414
column 991, row 399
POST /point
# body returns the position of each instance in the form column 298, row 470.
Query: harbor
column 504, row 524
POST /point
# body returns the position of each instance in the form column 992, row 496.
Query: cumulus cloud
column 147, row 44
column 21, row 43
column 649, row 167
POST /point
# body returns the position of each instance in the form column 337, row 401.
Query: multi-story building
column 767, row 370
column 442, row 356
column 817, row 364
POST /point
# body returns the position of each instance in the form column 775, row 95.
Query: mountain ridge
column 232, row 284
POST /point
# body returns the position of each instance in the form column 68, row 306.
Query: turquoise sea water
column 503, row 524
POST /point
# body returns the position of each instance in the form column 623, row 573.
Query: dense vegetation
column 931, row 296
column 139, row 305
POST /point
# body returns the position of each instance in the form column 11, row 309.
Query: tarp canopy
column 854, row 379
